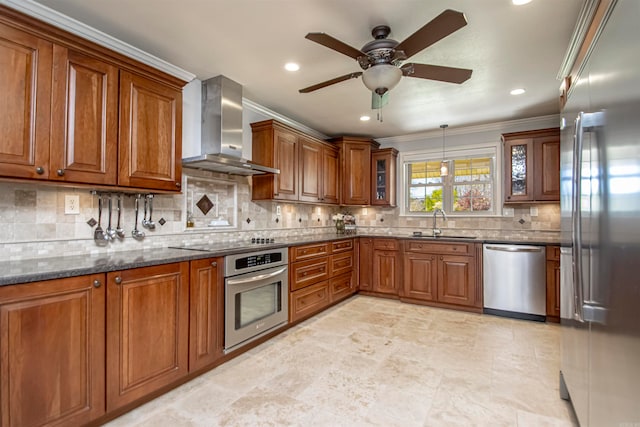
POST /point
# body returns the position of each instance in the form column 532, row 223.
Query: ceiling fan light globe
column 381, row 77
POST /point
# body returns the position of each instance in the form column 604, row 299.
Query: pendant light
column 444, row 165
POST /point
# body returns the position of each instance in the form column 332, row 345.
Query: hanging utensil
column 119, row 230
column 137, row 234
column 99, row 236
column 111, row 232
column 149, row 224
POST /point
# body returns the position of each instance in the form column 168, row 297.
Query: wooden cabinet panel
column 52, row 359
column 84, row 129
column 532, row 166
column 386, row 244
column 342, row 246
column 383, row 177
column 330, row 172
column 298, row 253
column 553, row 283
column 355, row 169
column 309, row 300
column 386, row 272
column 147, row 330
column 341, row 287
column 341, row 263
column 429, row 247
column 150, row 134
column 286, row 159
column 310, row 171
column 304, row 273
column 206, row 312
column 547, row 169
column 25, row 88
column 420, row 276
column 456, row 280
column 365, row 264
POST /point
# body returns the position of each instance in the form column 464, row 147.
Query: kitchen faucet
column 436, row 231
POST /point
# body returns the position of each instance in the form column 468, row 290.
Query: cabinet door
column 330, row 176
column 52, row 336
column 553, row 291
column 456, row 280
column 341, row 287
column 547, row 168
column 420, row 276
column 385, row 272
column 365, row 264
column 356, row 161
column 206, row 314
column 307, row 301
column 286, row 159
column 25, row 92
column 84, row 129
column 310, row 171
column 383, row 174
column 150, row 134
column 518, row 170
column 147, row 330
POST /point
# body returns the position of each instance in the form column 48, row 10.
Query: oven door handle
column 257, row 278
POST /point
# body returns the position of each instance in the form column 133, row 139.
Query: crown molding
column 257, row 108
column 585, row 17
column 533, row 122
column 57, row 19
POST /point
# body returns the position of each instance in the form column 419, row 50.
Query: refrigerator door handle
column 576, row 221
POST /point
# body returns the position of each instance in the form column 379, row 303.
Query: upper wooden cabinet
column 308, row 167
column 355, row 167
column 150, row 134
column 53, row 352
column 25, row 88
column 532, row 166
column 77, row 112
column 383, row 177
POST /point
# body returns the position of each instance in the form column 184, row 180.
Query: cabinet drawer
column 304, row 273
column 298, row 253
column 341, row 246
column 386, row 244
column 341, row 287
column 341, row 263
column 309, row 300
column 431, row 247
column 553, row 253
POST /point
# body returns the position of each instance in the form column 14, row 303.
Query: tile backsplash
column 35, row 225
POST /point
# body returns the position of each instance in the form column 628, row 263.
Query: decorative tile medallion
column 204, row 204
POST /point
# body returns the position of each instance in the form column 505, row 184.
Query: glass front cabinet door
column 383, row 177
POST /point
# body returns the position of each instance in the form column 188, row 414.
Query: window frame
column 492, row 150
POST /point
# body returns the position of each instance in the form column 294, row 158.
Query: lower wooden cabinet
column 442, row 273
column 206, row 312
column 309, row 300
column 365, row 264
column 386, row 266
column 341, row 287
column 553, row 284
column 52, row 345
column 147, row 330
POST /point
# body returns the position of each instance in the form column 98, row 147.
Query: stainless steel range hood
column 221, row 136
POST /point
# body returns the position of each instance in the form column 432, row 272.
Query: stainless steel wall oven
column 256, row 295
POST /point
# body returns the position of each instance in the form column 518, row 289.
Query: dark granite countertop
column 32, row 270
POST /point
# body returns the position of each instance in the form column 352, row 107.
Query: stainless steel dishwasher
column 514, row 279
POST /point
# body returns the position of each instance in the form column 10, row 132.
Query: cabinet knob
column 178, row 185
column 96, row 283
column 433, row 258
column 304, row 273
column 60, row 172
column 441, row 258
column 39, row 170
column 214, row 264
column 118, row 280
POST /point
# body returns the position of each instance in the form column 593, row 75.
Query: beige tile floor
column 377, row 362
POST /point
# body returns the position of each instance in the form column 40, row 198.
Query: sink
column 443, row 236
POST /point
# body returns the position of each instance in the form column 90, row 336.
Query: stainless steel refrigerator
column 600, row 205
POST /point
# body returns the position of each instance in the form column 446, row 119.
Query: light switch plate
column 278, row 210
column 533, row 211
column 71, row 204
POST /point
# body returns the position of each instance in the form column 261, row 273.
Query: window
column 469, row 189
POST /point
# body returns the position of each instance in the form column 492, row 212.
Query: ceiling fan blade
column 438, row 28
column 331, row 82
column 335, row 44
column 436, row 72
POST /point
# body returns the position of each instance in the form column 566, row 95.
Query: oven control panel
column 254, row 261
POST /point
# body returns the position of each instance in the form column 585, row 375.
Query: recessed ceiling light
column 291, row 66
column 519, row 91
column 520, row 2
column 365, row 118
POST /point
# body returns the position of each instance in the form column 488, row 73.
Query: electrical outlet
column 71, row 204
column 278, row 210
column 533, row 211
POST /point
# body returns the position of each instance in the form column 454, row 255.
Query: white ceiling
column 249, row 41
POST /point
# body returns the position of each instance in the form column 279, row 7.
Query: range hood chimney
column 221, row 136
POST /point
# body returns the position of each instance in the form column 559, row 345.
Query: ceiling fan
column 382, row 58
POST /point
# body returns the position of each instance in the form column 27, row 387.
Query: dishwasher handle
column 512, row 249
